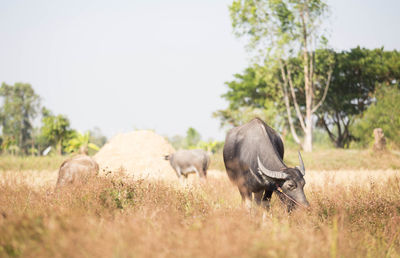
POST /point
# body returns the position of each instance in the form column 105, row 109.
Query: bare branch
column 328, row 82
column 287, row 103
column 312, row 71
column 331, row 135
column 296, row 104
column 339, row 128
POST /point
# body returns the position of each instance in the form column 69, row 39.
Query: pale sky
column 149, row 64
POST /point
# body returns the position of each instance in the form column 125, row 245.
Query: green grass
column 337, row 159
column 319, row 159
column 18, row 163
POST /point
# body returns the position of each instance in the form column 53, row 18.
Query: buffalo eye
column 291, row 185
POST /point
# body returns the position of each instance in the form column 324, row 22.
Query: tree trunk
column 339, row 143
column 380, row 141
column 284, row 85
column 307, row 145
column 32, row 147
column 308, row 134
column 309, row 91
column 59, row 148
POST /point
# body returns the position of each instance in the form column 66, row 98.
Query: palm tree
column 80, row 144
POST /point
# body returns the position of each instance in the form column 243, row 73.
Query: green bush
column 384, row 113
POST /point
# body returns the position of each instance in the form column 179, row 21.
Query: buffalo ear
column 270, row 173
column 301, row 167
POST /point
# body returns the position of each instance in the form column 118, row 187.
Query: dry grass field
column 355, row 213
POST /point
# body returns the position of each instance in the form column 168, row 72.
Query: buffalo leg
column 258, row 196
column 267, row 199
column 203, row 173
column 197, row 171
column 178, row 172
column 246, row 197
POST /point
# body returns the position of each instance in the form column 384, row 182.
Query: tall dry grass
column 118, row 217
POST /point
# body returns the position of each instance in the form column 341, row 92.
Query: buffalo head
column 289, row 183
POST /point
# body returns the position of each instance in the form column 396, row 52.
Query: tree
column 210, row 146
column 190, row 141
column 97, row 137
column 278, row 30
column 80, row 143
column 355, row 76
column 20, row 105
column 192, row 138
column 177, row 141
column 249, row 95
column 56, row 130
column 352, row 85
column 384, row 113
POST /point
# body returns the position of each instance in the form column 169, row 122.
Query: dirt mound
column 139, row 154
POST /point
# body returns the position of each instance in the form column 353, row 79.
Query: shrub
column 384, row 113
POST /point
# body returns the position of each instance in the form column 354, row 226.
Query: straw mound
column 139, row 154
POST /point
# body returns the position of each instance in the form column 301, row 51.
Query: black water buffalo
column 253, row 156
column 185, row 162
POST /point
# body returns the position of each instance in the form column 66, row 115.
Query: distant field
column 320, row 159
column 355, row 213
column 17, row 163
column 333, row 159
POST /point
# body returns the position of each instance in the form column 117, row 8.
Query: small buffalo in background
column 77, row 169
column 185, row 162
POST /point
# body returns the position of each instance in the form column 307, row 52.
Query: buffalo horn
column 301, row 168
column 270, row 173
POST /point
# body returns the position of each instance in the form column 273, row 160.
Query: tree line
column 362, row 82
column 193, row 140
column 297, row 83
column 28, row 128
